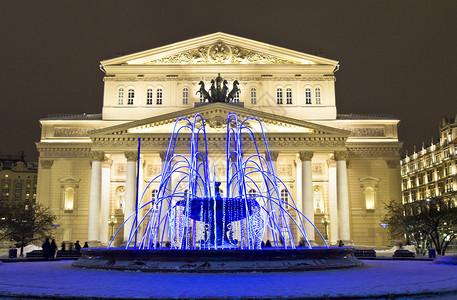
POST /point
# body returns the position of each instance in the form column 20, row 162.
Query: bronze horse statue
column 203, row 93
column 233, row 92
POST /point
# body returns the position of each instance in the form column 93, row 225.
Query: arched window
column 317, row 94
column 185, row 96
column 251, row 194
column 131, row 96
column 237, row 97
column 253, row 96
column 289, row 96
column 369, row 198
column 279, row 96
column 308, row 96
column 285, row 198
column 159, row 96
column 69, row 198
column 120, row 96
column 149, row 96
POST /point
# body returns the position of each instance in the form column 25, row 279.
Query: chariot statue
column 218, row 90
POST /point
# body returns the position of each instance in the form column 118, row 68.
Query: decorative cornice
column 274, row 143
column 195, row 80
column 306, row 155
column 365, row 131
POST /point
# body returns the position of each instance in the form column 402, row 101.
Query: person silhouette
column 46, row 249
column 77, row 246
column 53, row 250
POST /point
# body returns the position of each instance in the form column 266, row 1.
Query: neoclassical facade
column 338, row 167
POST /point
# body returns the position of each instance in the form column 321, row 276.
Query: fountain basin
column 218, row 261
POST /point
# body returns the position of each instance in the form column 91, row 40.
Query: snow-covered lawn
column 374, row 278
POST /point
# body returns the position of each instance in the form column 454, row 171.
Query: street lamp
column 111, row 221
column 325, row 220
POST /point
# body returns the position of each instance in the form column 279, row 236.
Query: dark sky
column 396, row 57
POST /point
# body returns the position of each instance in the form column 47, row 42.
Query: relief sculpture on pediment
column 218, row 53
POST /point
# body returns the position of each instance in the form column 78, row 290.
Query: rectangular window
column 185, row 96
column 159, row 96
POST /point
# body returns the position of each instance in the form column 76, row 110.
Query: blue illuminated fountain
column 188, row 211
column 190, row 225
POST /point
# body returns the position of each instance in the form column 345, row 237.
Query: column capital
column 131, row 155
column 273, row 154
column 341, row 155
column 46, row 164
column 163, row 155
column 97, row 156
column 306, row 155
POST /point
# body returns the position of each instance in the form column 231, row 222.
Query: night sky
column 396, row 57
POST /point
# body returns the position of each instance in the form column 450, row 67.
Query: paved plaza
column 377, row 278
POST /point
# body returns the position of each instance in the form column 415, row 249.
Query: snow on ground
column 375, row 278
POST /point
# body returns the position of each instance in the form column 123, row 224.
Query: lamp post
column 111, row 221
column 325, row 220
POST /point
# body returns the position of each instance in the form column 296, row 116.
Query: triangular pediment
column 218, row 48
column 215, row 118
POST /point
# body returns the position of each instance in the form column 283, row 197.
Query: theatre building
column 340, row 169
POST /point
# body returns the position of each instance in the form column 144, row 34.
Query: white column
column 342, row 196
column 307, row 192
column 130, row 192
column 95, row 198
column 333, row 204
column 105, row 200
column 274, row 163
column 166, row 204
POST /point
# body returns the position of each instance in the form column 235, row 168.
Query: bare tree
column 25, row 222
column 428, row 223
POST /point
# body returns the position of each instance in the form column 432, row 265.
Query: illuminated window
column 253, row 96
column 69, row 192
column 185, row 96
column 69, row 198
column 131, row 96
column 5, row 191
column 317, row 93
column 120, row 96
column 369, row 198
column 279, row 96
column 289, row 96
column 159, row 96
column 149, row 96
column 308, row 95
